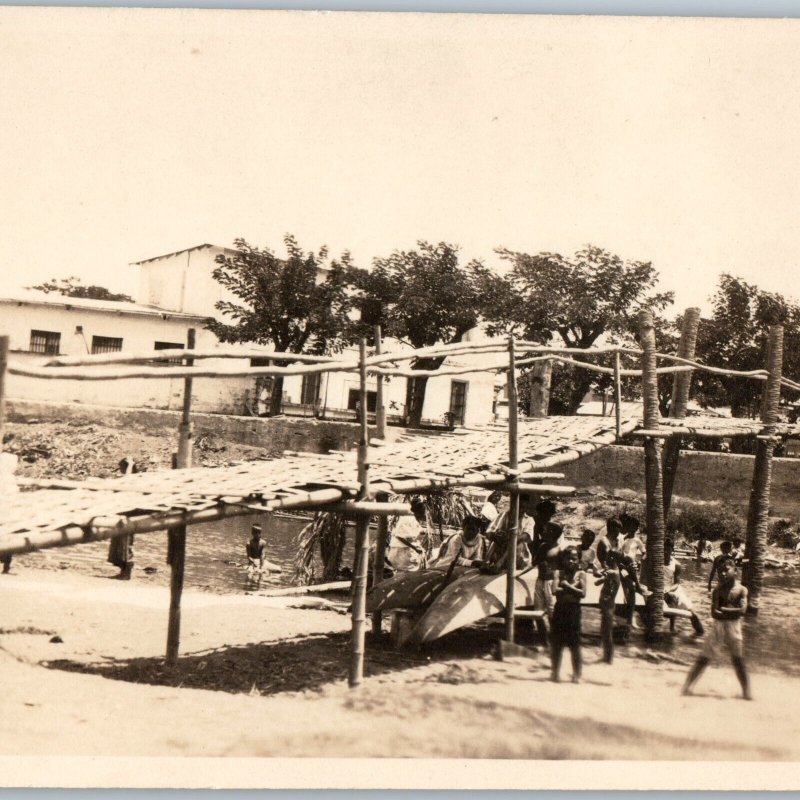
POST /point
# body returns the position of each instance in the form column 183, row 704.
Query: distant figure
column 497, row 536
column 546, row 560
column 6, row 564
column 489, row 510
column 587, row 553
column 737, row 554
column 611, row 580
column 256, row 549
column 725, row 549
column 120, row 548
column 569, row 588
column 632, row 545
column 610, row 540
column 543, row 512
column 628, row 570
column 467, row 548
column 728, row 606
column 406, row 548
column 674, row 594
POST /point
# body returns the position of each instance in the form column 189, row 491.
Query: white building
column 176, row 292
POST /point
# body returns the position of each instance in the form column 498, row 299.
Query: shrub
column 784, row 533
column 711, row 520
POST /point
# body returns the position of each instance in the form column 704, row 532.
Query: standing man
column 728, row 606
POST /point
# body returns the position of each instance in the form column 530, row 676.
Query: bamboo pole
column 176, row 537
column 3, row 364
column 652, row 473
column 758, row 516
column 617, row 395
column 680, row 400
column 380, row 410
column 513, row 514
column 4, row 341
column 356, row 672
column 381, row 544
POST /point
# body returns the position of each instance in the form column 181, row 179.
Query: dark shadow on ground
column 301, row 664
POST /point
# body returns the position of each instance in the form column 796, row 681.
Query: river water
column 216, row 561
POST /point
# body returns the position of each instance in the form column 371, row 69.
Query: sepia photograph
column 399, row 400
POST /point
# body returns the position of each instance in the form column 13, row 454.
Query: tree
column 735, row 337
column 421, row 297
column 283, row 302
column 72, row 287
column 575, row 300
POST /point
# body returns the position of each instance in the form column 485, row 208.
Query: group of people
column 616, row 559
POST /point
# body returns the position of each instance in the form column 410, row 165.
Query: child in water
column 569, row 584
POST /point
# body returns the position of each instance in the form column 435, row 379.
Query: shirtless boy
column 728, row 606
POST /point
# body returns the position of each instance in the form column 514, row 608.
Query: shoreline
column 258, row 678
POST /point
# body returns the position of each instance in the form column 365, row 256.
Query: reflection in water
column 216, row 561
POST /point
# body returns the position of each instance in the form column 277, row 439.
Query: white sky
column 125, row 134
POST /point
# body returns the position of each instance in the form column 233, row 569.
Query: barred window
column 260, row 362
column 106, row 344
column 47, row 343
column 168, row 346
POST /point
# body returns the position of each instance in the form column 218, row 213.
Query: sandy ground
column 258, row 678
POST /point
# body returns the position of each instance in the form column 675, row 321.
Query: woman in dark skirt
column 569, row 584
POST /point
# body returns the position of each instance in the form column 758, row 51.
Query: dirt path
column 258, row 679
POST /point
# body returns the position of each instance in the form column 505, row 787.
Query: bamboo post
column 381, row 543
column 617, row 395
column 758, row 516
column 380, row 410
column 513, row 514
column 680, row 399
column 3, row 365
column 176, row 537
column 652, row 473
column 185, row 432
column 362, row 537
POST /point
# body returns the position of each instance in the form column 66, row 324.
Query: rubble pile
column 77, row 450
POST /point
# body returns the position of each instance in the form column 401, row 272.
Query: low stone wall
column 720, row 477
column 275, row 433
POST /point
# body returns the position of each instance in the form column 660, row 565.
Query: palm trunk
column 680, row 400
column 758, row 512
column 652, row 474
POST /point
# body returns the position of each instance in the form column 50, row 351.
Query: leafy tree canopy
column 297, row 304
column 575, row 300
column 736, row 337
column 72, row 287
column 422, row 297
column 284, row 301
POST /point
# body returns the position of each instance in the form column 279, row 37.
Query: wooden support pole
column 3, row 366
column 758, row 516
column 185, row 433
column 380, row 409
column 356, row 672
column 513, row 514
column 176, row 537
column 680, row 399
column 652, row 473
column 617, row 395
column 381, row 545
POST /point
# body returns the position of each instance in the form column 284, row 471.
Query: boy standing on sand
column 610, row 581
column 728, row 606
column 569, row 588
